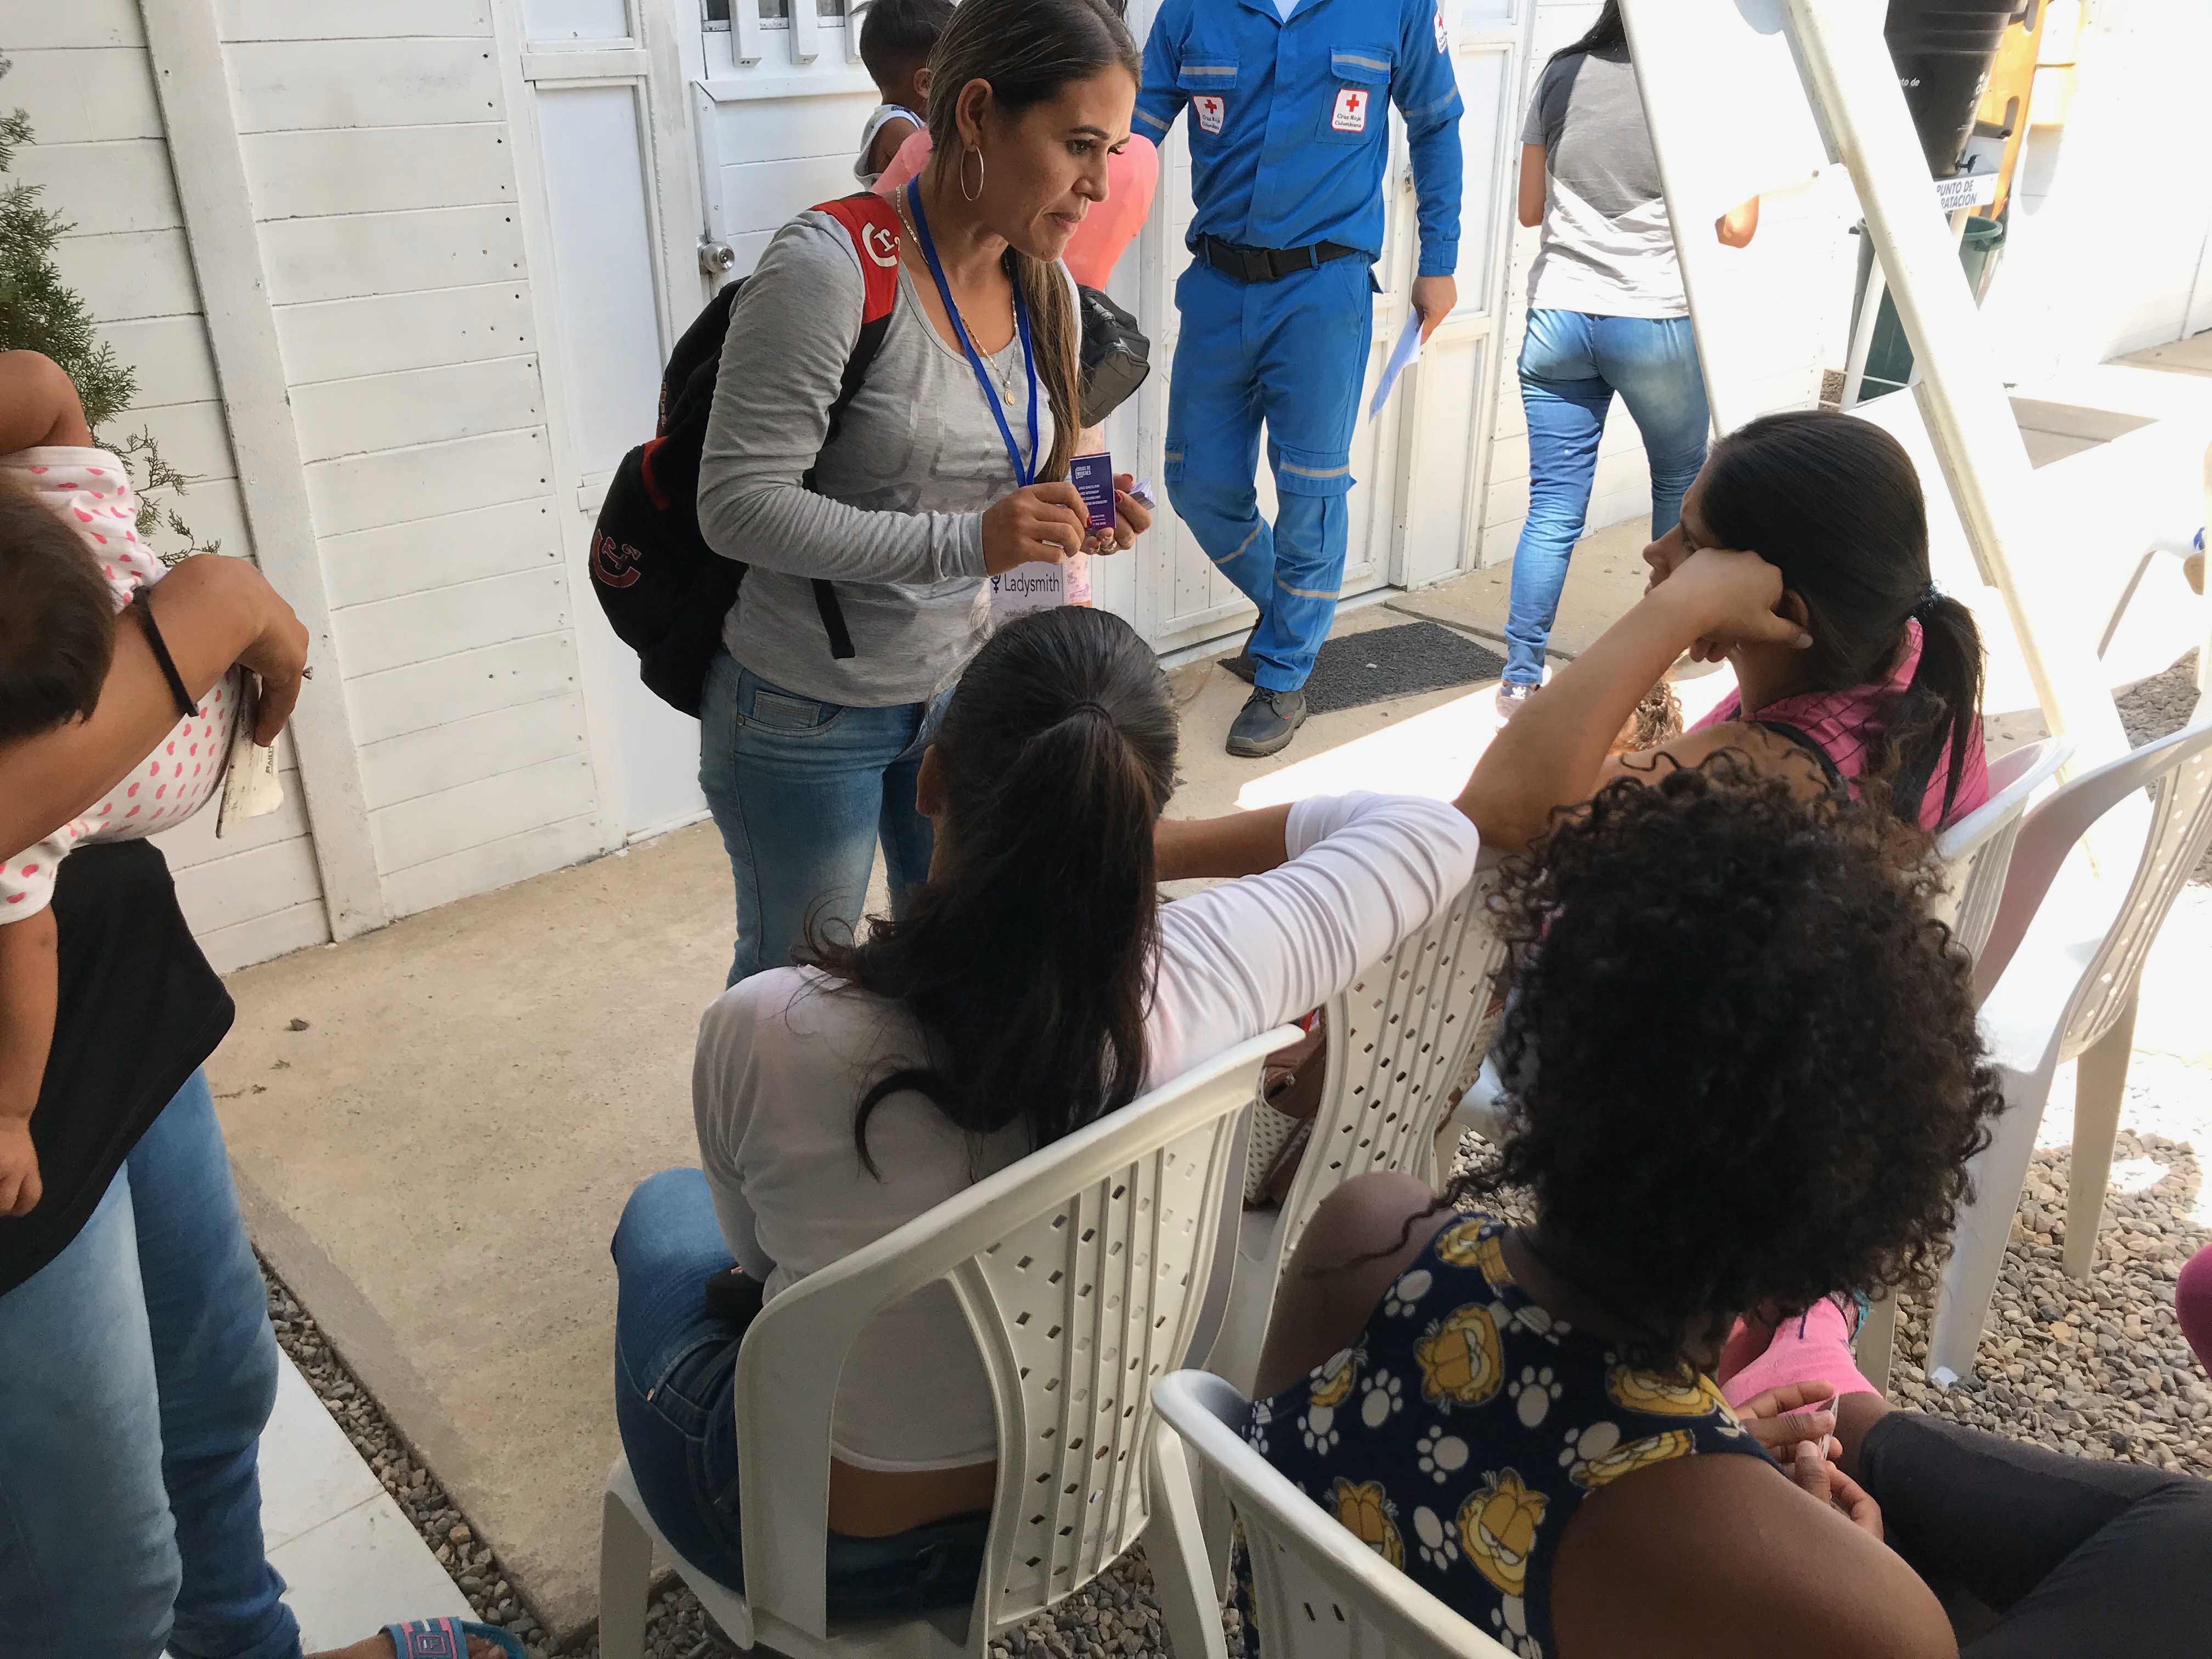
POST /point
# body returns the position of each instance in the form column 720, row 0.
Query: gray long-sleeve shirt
column 897, row 525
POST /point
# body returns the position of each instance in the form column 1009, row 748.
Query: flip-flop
column 447, row 1639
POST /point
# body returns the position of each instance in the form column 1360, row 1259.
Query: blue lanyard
column 1023, row 474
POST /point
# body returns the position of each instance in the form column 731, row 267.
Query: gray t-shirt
column 897, row 525
column 1607, row 247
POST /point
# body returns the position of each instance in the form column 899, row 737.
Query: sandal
column 447, row 1639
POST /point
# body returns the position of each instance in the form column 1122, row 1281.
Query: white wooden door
column 612, row 256
column 1448, row 419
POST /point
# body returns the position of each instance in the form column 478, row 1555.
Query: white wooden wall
column 82, row 73
column 383, row 181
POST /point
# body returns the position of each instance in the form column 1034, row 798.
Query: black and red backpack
column 665, row 591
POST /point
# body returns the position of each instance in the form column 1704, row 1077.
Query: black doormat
column 1396, row 662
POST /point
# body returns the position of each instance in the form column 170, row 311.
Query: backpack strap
column 873, row 224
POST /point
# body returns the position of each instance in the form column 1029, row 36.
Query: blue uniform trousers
column 1294, row 353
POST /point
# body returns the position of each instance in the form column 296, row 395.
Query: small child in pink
column 90, row 490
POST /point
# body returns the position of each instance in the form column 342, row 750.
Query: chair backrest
column 1317, row 1592
column 1082, row 1269
column 1977, row 850
column 1399, row 1038
column 2177, row 769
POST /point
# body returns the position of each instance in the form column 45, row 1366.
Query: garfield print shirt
column 1458, row 1438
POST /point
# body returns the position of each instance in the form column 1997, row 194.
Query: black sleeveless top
column 139, row 1010
column 1459, row 1437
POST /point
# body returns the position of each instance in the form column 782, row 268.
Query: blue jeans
column 1571, row 363
column 136, row 1369
column 675, row 1386
column 1292, row 352
column 800, row 790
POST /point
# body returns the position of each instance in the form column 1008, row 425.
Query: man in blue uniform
column 1289, row 135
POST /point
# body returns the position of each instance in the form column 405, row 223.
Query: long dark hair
column 1027, row 956
column 1834, row 503
column 1029, row 50
column 1609, row 34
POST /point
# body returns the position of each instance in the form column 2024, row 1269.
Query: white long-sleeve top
column 785, row 1056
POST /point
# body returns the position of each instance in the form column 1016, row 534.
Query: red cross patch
column 1211, row 107
column 1350, row 114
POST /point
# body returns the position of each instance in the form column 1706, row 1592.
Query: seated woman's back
column 1032, row 985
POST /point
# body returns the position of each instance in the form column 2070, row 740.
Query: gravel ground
column 2099, row 1369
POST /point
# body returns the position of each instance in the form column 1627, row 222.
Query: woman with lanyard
column 947, row 464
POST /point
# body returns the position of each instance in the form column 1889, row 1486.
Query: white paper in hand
column 1401, row 355
column 250, row 784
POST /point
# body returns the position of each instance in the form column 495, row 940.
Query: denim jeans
column 1571, row 363
column 675, row 1388
column 136, row 1369
column 801, row 790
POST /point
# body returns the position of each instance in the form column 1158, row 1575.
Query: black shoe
column 1265, row 724
column 1242, row 664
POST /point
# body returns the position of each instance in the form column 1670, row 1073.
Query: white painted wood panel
column 146, row 273
column 290, row 85
column 495, row 864
column 595, row 187
column 304, row 175
column 215, row 510
column 276, row 934
column 787, row 128
column 417, row 627
column 102, row 187
column 485, row 810
column 765, row 196
column 442, row 757
column 193, row 437
column 454, row 688
column 422, row 406
column 422, row 554
column 26, row 25
column 341, row 20
column 247, row 885
column 77, row 94
column 171, row 357
column 354, row 254
column 363, row 491
column 384, row 333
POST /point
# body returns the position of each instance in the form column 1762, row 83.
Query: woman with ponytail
column 1030, row 985
column 870, row 515
column 1859, row 676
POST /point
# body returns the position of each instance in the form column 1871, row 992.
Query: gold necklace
column 1004, row 376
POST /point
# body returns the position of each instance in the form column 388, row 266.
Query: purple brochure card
column 1093, row 478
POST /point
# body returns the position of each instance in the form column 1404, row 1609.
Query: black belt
column 1267, row 264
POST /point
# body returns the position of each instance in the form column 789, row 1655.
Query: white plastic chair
column 1317, row 1592
column 1976, row 852
column 1399, row 1037
column 2057, row 997
column 1082, row 1272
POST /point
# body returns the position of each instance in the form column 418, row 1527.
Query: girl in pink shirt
column 1856, row 673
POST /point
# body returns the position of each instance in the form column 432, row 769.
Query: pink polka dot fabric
column 89, row 489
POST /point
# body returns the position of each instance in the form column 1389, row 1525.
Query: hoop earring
column 978, row 155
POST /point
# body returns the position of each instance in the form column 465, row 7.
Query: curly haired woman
column 1719, row 988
